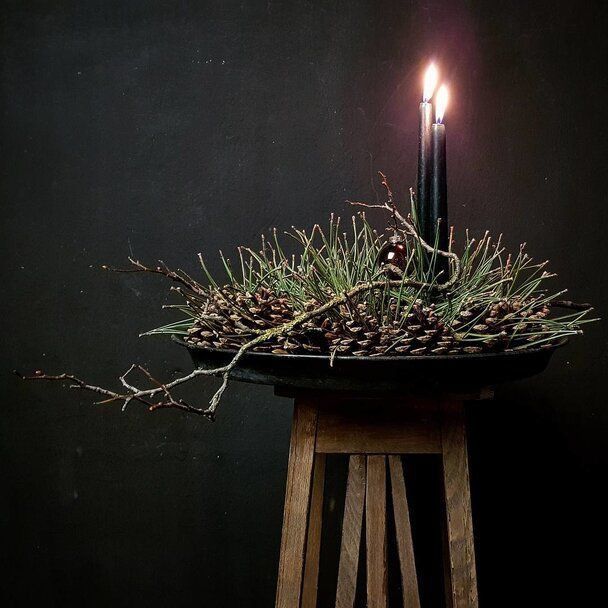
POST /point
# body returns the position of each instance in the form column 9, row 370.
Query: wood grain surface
column 352, row 526
column 375, row 532
column 403, row 529
column 458, row 507
column 297, row 497
column 369, row 428
column 313, row 539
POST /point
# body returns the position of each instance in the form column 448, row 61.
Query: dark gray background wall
column 165, row 129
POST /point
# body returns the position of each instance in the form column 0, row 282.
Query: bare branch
column 175, row 275
column 409, row 229
column 163, row 390
column 160, row 395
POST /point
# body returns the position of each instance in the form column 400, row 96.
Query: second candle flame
column 441, row 103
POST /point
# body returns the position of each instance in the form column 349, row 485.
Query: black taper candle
column 424, row 169
column 439, row 194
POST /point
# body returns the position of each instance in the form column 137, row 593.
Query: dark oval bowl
column 378, row 373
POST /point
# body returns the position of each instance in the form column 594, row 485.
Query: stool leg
column 352, row 525
column 458, row 507
column 375, row 532
column 297, row 499
column 403, row 529
column 313, row 538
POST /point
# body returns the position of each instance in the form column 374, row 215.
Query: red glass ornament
column 394, row 253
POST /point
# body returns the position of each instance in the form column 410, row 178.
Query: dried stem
column 161, row 397
column 409, row 229
column 175, row 275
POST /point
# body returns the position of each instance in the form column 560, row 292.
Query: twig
column 177, row 276
column 409, row 228
column 161, row 397
column 147, row 396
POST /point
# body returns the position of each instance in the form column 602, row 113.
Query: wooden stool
column 375, row 432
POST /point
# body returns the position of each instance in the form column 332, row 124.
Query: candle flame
column 441, row 103
column 430, row 82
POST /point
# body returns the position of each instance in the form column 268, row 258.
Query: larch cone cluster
column 232, row 318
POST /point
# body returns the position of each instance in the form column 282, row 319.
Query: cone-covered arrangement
column 355, row 293
column 336, row 295
column 234, row 317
